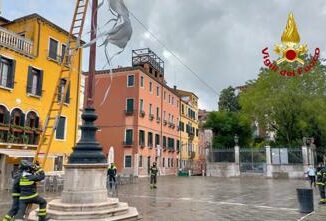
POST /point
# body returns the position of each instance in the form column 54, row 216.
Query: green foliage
column 292, row 106
column 225, row 125
column 228, row 101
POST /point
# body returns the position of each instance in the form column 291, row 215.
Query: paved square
column 210, row 198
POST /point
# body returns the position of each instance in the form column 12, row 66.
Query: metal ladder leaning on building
column 55, row 109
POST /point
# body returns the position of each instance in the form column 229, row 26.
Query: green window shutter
column 29, row 80
column 40, row 83
column 11, row 74
column 22, row 119
column 128, row 136
column 7, row 117
column 60, row 132
column 130, row 105
column 67, row 101
column 37, row 121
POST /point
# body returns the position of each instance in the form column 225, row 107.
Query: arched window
column 4, row 115
column 32, row 120
column 17, row 117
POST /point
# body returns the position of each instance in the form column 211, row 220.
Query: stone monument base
column 111, row 210
column 84, row 197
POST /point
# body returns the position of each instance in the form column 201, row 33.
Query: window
column 130, row 105
column 58, row 163
column 182, row 126
column 141, row 138
column 178, row 144
column 171, row 162
column 150, row 109
column 157, row 140
column 169, row 118
column 172, row 119
column 158, row 113
column 169, row 98
column 164, row 141
column 150, row 87
column 17, row 117
column 163, row 164
column 34, row 81
column 196, row 132
column 157, row 91
column 141, row 81
column 4, row 115
column 32, row 120
column 127, row 161
column 61, row 129
column 164, row 115
column 141, row 105
column 171, row 143
column 168, row 162
column 131, row 80
column 61, row 89
column 172, row 100
column 7, row 72
column 182, row 109
column 164, row 95
column 140, row 163
column 63, row 51
column 53, row 49
column 150, row 139
column 129, row 137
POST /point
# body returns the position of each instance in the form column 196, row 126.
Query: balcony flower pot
column 16, row 128
column 4, row 127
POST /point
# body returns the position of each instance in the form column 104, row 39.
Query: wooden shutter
column 7, row 116
column 11, row 74
column 68, row 95
column 29, row 80
column 37, row 121
column 40, row 83
column 22, row 119
column 129, row 136
column 130, row 105
column 60, row 132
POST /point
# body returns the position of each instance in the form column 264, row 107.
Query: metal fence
column 286, row 156
column 222, row 155
column 252, row 160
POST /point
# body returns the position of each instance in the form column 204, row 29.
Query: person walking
column 15, row 193
column 31, row 173
column 153, row 174
column 311, row 172
column 321, row 182
column 112, row 172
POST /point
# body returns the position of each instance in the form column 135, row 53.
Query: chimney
column 175, row 87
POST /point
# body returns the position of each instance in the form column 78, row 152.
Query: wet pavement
column 210, row 198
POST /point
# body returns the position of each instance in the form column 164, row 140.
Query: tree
column 225, row 125
column 228, row 101
column 293, row 107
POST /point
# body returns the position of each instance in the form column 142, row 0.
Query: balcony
column 127, row 143
column 151, row 116
column 142, row 113
column 129, row 112
column 191, row 154
column 15, row 42
column 158, row 120
column 14, row 135
column 165, row 122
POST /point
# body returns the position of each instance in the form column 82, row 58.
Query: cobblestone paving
column 209, row 198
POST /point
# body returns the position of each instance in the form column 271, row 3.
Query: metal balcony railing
column 15, row 42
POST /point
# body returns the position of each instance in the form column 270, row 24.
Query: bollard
column 306, row 200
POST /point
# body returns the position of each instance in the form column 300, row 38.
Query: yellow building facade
column 188, row 127
column 31, row 50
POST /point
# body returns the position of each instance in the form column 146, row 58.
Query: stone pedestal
column 85, row 183
column 85, row 197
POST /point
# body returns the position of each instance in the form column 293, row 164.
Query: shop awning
column 20, row 153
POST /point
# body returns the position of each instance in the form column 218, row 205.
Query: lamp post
column 236, row 139
column 88, row 150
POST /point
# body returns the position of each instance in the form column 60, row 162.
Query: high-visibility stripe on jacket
column 27, row 184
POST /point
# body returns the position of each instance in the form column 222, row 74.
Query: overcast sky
column 221, row 40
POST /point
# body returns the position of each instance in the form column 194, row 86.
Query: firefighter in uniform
column 321, row 183
column 153, row 174
column 112, row 172
column 15, row 196
column 31, row 174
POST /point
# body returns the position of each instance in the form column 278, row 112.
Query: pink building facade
column 138, row 119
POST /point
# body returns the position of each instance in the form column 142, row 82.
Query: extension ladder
column 69, row 57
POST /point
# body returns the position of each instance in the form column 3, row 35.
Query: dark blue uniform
column 29, row 195
column 321, row 182
column 15, row 198
column 112, row 172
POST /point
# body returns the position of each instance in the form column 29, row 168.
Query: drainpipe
column 38, row 37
